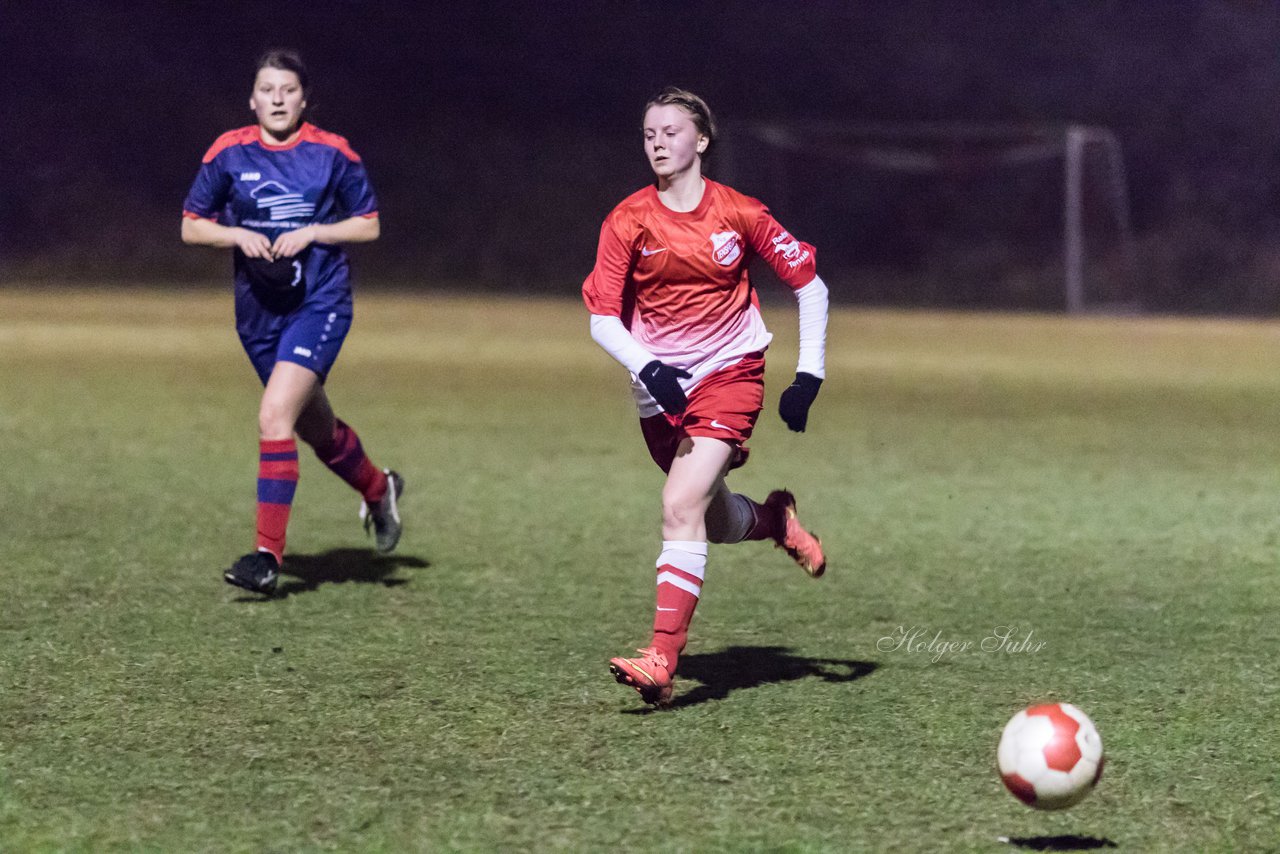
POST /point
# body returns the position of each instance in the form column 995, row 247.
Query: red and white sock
column 681, row 568
column 277, row 481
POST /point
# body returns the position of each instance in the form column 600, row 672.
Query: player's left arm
column 355, row 229
column 355, row 197
column 794, row 404
column 795, row 262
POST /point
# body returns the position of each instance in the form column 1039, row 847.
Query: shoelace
column 650, row 655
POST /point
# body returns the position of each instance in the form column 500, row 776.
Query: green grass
column 1109, row 485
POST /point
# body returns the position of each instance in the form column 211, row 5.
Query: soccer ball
column 1050, row 756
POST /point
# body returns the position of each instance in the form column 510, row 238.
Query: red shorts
column 725, row 405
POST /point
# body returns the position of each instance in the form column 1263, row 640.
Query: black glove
column 794, row 404
column 663, row 383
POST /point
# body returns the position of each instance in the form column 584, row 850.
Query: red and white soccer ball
column 1050, row 756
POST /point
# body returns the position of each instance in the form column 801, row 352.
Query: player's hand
column 291, row 243
column 663, row 383
column 794, row 404
column 253, row 244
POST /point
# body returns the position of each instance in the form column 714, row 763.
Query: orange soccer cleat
column 649, row 674
column 804, row 548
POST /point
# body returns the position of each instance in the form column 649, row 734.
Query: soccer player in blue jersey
column 283, row 195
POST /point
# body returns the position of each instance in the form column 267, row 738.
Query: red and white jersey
column 678, row 281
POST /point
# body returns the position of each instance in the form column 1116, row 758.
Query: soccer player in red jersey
column 283, row 194
column 670, row 299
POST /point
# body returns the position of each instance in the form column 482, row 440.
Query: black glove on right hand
column 663, row 383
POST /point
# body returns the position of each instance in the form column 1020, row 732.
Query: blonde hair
column 693, row 105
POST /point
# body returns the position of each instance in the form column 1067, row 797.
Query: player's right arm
column 198, row 231
column 207, row 198
column 603, row 291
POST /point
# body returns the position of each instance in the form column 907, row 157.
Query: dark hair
column 285, row 59
column 693, row 105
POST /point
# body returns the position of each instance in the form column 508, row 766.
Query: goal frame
column 905, row 147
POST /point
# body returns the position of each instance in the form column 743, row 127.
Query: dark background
column 499, row 135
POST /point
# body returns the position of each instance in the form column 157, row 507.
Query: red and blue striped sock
column 277, row 481
column 345, row 457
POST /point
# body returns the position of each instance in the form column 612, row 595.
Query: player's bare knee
column 679, row 512
column 274, row 422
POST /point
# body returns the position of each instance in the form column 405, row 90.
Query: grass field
column 1110, row 486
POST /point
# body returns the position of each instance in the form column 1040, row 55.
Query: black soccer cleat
column 383, row 518
column 256, row 571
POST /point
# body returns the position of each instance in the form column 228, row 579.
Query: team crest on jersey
column 726, row 247
column 283, row 205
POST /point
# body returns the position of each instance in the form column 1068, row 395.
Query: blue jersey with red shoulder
column 317, row 178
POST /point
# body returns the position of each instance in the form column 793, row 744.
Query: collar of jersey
column 698, row 211
column 304, row 133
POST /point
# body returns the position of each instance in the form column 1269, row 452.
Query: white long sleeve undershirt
column 812, row 301
column 610, row 334
column 608, row 331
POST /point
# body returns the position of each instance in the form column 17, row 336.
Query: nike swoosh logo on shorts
column 668, row 609
column 646, row 251
column 716, row 424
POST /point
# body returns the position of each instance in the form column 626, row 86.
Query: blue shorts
column 311, row 336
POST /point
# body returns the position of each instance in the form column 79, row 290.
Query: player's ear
column 703, row 142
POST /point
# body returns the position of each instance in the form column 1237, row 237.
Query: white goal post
column 928, row 148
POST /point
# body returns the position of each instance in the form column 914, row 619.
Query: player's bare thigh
column 289, row 389
column 696, row 476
